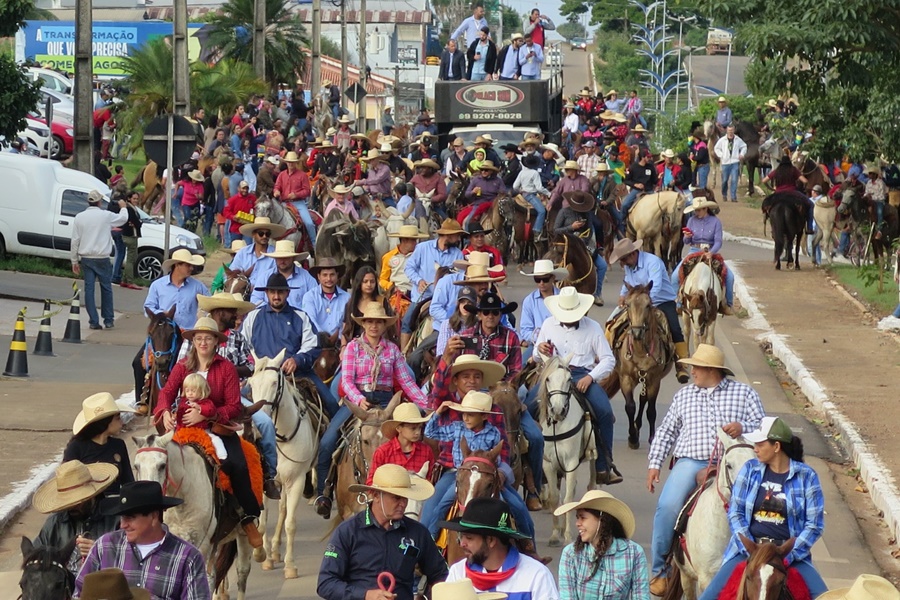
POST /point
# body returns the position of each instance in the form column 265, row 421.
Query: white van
column 38, row 206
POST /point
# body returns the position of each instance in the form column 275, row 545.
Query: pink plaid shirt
column 358, row 367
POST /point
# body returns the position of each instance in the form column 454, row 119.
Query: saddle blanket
column 198, row 438
column 691, row 260
column 795, row 584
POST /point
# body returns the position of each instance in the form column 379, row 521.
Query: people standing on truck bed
column 531, row 57
column 508, row 66
column 471, row 26
column 482, row 57
column 453, row 63
column 536, row 26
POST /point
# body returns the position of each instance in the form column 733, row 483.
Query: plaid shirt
column 444, row 428
column 503, row 348
column 174, row 570
column 358, row 366
column 805, row 504
column 622, row 573
column 689, row 428
column 390, row 453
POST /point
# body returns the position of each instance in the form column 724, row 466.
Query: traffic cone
column 44, row 344
column 73, row 326
column 17, row 362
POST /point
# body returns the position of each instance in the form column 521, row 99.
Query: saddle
column 617, row 326
column 690, row 261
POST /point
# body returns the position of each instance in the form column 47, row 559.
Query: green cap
column 773, row 429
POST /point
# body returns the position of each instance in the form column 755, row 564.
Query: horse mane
column 550, row 365
column 763, row 555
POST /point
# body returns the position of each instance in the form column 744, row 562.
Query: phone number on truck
column 488, row 116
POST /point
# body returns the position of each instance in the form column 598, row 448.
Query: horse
column 568, row 251
column 150, row 175
column 524, row 248
column 656, row 219
column 824, row 214
column 45, row 575
column 700, row 294
column 329, row 358
column 499, row 219
column 862, row 210
column 568, row 440
column 297, row 441
column 506, row 397
column 160, row 353
column 277, row 213
column 787, row 211
column 458, row 184
column 812, row 171
column 751, row 136
column 348, row 241
column 697, row 559
column 765, row 576
column 238, row 282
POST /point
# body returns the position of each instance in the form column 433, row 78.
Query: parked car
column 38, row 208
column 578, row 44
column 29, row 148
column 51, row 79
column 37, row 133
column 62, row 141
column 63, row 105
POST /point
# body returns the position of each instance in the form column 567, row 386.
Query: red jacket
column 236, row 204
column 224, row 389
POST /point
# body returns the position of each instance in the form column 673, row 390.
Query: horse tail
column 139, row 178
column 224, row 561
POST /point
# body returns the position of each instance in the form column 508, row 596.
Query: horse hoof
column 291, row 573
column 634, row 445
column 259, row 555
column 553, row 543
column 268, row 565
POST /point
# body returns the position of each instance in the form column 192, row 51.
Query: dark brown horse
column 751, row 136
column 524, row 247
column 567, row 250
column 330, row 356
column 506, row 398
column 159, row 354
column 788, row 213
column 476, row 477
column 45, row 574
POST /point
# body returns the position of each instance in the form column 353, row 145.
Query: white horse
column 824, row 213
column 277, row 213
column 568, row 440
column 700, row 293
column 708, row 529
column 414, row 507
column 298, row 444
column 183, row 473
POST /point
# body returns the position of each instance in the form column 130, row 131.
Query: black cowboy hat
column 510, row 148
column 276, row 281
column 485, row 516
column 491, row 301
column 138, row 497
column 475, row 228
column 532, row 161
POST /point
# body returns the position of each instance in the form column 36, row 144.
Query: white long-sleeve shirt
column 528, row 181
column 733, row 154
column 587, row 345
column 571, row 123
column 92, row 232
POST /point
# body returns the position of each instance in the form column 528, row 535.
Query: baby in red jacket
column 195, row 394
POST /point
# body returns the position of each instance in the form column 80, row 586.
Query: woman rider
column 784, row 177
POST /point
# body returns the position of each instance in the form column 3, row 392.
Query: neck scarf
column 485, row 352
column 374, row 354
column 482, row 580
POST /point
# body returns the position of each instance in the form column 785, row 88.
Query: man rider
column 642, row 178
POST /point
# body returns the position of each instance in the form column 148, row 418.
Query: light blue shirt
column 426, row 259
column 478, row 65
column 443, row 302
column 534, row 313
column 164, row 294
column 246, row 258
column 326, row 315
column 403, row 203
column 300, row 280
column 650, row 268
column 533, row 68
column 510, row 67
column 471, row 27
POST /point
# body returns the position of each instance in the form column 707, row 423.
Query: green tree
column 571, row 29
column 512, row 21
column 19, row 95
column 617, row 62
column 330, row 48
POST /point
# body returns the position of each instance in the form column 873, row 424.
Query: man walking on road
column 92, row 244
column 730, row 150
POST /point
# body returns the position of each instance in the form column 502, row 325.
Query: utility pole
column 259, row 38
column 343, row 54
column 315, row 71
column 396, row 93
column 83, row 158
column 180, row 67
column 361, row 112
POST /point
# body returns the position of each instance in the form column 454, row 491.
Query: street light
column 690, row 90
column 681, row 21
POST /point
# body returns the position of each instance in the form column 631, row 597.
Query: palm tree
column 231, row 31
column 219, row 88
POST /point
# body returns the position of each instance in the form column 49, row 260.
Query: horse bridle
column 168, row 477
column 728, row 480
column 150, row 350
column 276, row 405
column 69, row 577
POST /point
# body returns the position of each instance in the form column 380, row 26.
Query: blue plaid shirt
column 622, row 573
column 805, row 508
column 482, row 440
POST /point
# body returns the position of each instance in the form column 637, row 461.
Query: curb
column 878, row 479
column 768, row 245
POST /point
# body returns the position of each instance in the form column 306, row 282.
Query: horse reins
column 475, row 469
column 276, row 405
column 728, row 481
column 565, row 245
column 165, row 487
column 558, row 437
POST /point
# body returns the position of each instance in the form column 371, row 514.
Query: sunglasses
column 490, row 313
column 542, row 279
column 264, row 233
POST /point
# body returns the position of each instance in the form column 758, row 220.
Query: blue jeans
column 671, row 313
column 731, row 174
column 176, row 210
column 539, row 208
column 478, row 76
column 119, row 243
column 98, row 270
column 406, row 324
column 329, row 400
column 844, row 245
column 518, row 510
column 266, row 428
column 191, row 217
column 702, row 175
column 602, row 267
column 729, row 282
column 303, row 210
column 879, row 213
column 681, row 481
column 532, row 432
column 529, row 77
column 440, row 209
column 209, row 217
column 812, row 578
column 627, row 203
column 896, row 312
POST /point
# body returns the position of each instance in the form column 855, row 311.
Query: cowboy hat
column 475, row 402
column 427, row 162
column 274, row 160
column 423, row 118
column 605, row 503
column 326, row 145
column 510, row 148
column 709, row 356
column 544, row 267
column 866, row 587
column 74, row 483
column 569, row 104
column 603, row 167
column 95, row 197
column 375, row 310
column 476, row 228
column 516, row 36
column 450, row 227
column 485, row 516
column 473, row 258
column 384, row 148
column 529, row 140
column 701, row 203
column 407, row 413
column 491, row 301
column 345, row 120
column 624, row 247
column 722, row 99
column 204, row 325
column 339, row 190
column 275, row 282
column 235, row 246
column 396, row 480
column 611, row 93
column 571, row 165
column 481, row 274
column 361, row 136
column 110, row 584
column 586, row 93
column 491, row 371
column 373, row 154
column 277, row 229
column 410, row 232
column 568, row 306
column 98, row 406
column 224, row 300
column 488, row 165
column 484, row 139
column 606, row 115
column 286, row 249
column 639, row 129
column 182, row 255
column 197, row 176
column 138, row 497
column 772, row 103
column 292, row 157
column 462, row 590
column 579, row 201
column 358, row 191
column 619, row 118
column 667, row 153
column 327, row 263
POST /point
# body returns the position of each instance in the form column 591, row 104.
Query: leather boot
column 726, row 310
column 142, row 409
column 532, row 502
column 528, row 548
column 659, row 585
column 253, row 535
column 271, row 489
column 681, row 351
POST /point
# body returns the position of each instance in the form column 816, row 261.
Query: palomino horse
column 297, row 441
column 568, row 440
column 656, row 219
column 476, row 477
column 45, row 575
column 644, row 356
column 697, row 560
column 700, row 295
column 765, row 576
column 568, row 251
column 160, row 353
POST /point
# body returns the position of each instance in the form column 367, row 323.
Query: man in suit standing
column 453, row 63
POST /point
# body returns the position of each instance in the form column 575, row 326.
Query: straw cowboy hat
column 605, row 503
column 579, row 201
column 204, row 325
column 292, row 157
column 624, row 247
column 667, row 153
column 473, row 258
column 450, row 227
column 544, row 267
column 569, row 104
column 396, row 480
column 235, row 246
column 701, row 203
column 182, row 255
column 327, row 263
column 406, row 413
column 516, row 36
column 277, row 229
column 427, row 162
column 375, row 310
column 484, row 139
column 74, row 483
column 585, row 93
column 603, row 167
column 286, row 249
column 708, row 356
column 224, row 300
column 110, row 584
column 98, row 406
column 639, row 129
column 488, row 165
column 475, row 402
column 491, row 371
column 326, row 145
column 197, row 176
column 480, row 274
column 722, row 99
column 329, row 133
column 568, row 306
column 385, row 148
column 462, row 590
column 362, row 136
column 866, row 587
column 772, row 103
column 373, row 155
column 345, row 120
column 410, row 232
column 619, row 118
column 611, row 93
column 606, row 115
column 571, row 165
column 485, row 516
column 340, row 190
column 138, row 497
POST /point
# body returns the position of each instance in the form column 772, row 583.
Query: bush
column 617, row 63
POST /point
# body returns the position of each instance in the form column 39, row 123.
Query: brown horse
column 567, row 250
column 329, row 357
column 238, row 282
column 476, row 477
column 151, row 176
column 765, row 576
column 159, row 354
column 861, row 211
column 458, row 184
column 506, row 397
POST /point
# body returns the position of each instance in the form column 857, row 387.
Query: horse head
column 238, row 282
column 368, row 436
column 849, row 201
column 414, row 507
column 163, row 342
column 507, row 205
column 151, row 459
column 45, row 574
column 477, row 476
column 735, row 454
column 263, row 206
column 555, row 384
column 640, row 309
column 329, row 358
column 765, row 575
column 267, row 382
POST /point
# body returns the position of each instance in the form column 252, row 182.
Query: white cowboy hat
column 197, row 176
column 375, row 310
column 624, row 247
column 235, row 246
column 701, row 203
column 544, row 267
column 405, row 413
column 722, row 99
column 475, row 402
column 866, row 587
column 396, row 480
column 709, row 356
column 346, row 120
column 410, row 232
column 462, row 590
column 274, row 160
column 339, row 190
column 224, row 300
column 603, row 502
column 491, row 371
column 74, row 483
column 182, row 255
column 667, row 153
column 373, row 154
column 516, row 36
column 98, row 406
column 569, row 306
column 473, row 258
column 277, row 229
column 286, row 249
